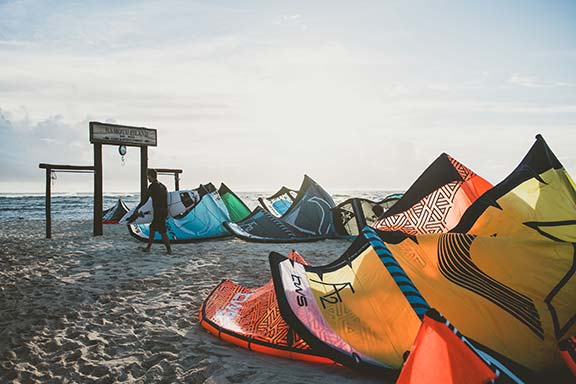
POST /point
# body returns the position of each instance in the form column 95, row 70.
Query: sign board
column 114, row 134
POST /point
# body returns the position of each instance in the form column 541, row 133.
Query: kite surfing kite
column 309, row 218
column 537, row 201
column 179, row 204
column 436, row 200
column 508, row 284
column 114, row 214
column 353, row 214
column 279, row 202
column 203, row 221
column 251, row 319
column 234, row 205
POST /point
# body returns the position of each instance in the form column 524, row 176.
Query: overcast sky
column 356, row 94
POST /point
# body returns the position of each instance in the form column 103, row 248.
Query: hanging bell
column 122, row 151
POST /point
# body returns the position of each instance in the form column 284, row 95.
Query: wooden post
column 143, row 171
column 98, row 190
column 171, row 171
column 48, row 203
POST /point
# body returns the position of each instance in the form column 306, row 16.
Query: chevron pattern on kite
column 254, row 313
column 221, row 297
column 427, row 216
column 263, row 320
column 259, row 319
column 464, row 171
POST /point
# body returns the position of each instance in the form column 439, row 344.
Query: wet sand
column 78, row 308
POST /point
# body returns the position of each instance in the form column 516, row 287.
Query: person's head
column 152, row 174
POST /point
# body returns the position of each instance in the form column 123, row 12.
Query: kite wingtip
column 539, row 137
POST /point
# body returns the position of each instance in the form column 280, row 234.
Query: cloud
column 238, row 91
column 535, row 82
column 25, row 144
column 295, row 21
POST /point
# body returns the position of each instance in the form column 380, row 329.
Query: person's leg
column 163, row 230
column 166, row 242
column 150, row 239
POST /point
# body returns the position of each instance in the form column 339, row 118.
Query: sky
column 359, row 95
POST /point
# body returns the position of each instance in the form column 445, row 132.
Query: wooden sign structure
column 60, row 168
column 114, row 134
column 108, row 134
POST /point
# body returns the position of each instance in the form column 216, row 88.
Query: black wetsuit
column 159, row 194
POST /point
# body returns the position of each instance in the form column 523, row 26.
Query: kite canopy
column 202, row 222
column 309, row 218
column 536, row 201
column 251, row 319
column 235, row 206
column 440, row 356
column 280, row 202
column 353, row 214
column 437, row 199
column 113, row 214
column 179, row 204
column 355, row 312
column 344, row 309
column 509, row 287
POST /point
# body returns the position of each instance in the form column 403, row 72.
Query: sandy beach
column 78, row 308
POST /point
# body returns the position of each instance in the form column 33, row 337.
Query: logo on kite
column 346, row 216
column 249, row 226
column 233, row 308
column 334, row 297
column 300, row 296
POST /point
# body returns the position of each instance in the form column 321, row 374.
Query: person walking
column 159, row 194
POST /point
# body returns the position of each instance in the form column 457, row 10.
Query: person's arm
column 134, row 215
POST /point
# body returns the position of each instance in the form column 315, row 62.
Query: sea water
column 80, row 206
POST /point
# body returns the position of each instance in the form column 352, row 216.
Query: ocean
column 79, row 206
